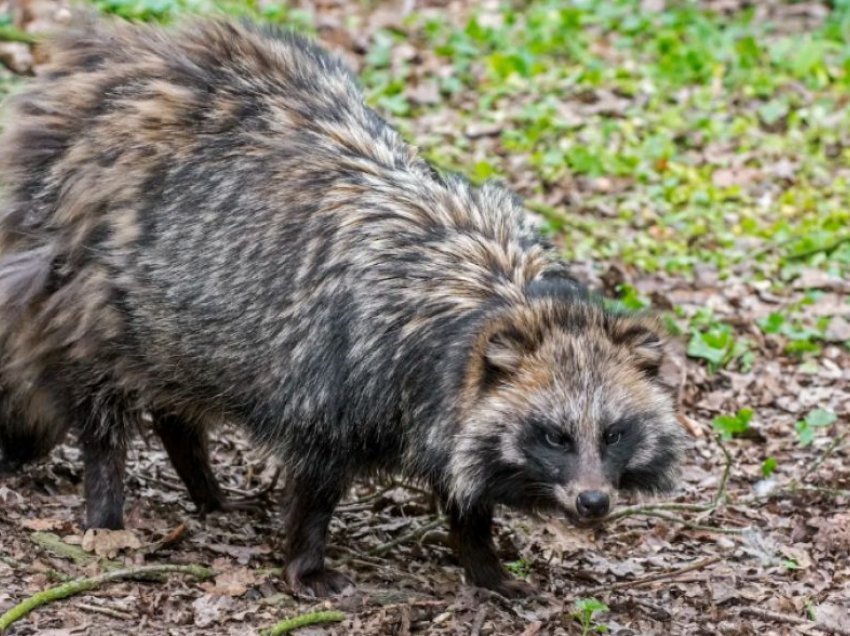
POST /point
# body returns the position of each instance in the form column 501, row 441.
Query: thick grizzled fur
column 31, row 424
column 228, row 232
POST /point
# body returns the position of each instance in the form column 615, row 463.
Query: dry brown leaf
column 108, row 543
column 44, row 525
column 233, row 582
column 209, row 608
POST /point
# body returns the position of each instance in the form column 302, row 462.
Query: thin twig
column 829, row 450
column 172, row 537
column 389, row 545
column 260, row 492
column 106, row 611
column 693, row 526
column 368, row 499
column 699, row 565
column 720, row 495
column 689, row 425
column 404, row 538
column 632, row 511
column 78, row 586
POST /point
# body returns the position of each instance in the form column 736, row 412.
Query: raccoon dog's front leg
column 472, row 538
column 310, row 509
column 103, row 438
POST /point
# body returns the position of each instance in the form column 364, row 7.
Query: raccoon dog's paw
column 321, row 583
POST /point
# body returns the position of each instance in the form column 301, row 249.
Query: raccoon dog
column 208, row 223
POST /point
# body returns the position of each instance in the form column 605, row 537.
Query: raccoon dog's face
column 564, row 409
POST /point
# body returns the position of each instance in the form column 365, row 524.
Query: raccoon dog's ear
column 643, row 336
column 505, row 349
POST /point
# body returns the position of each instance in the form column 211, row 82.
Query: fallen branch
column 12, row 34
column 305, row 620
column 699, row 565
column 78, row 586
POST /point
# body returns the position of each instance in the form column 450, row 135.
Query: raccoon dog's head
column 564, row 409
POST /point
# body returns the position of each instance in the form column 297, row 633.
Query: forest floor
column 689, row 157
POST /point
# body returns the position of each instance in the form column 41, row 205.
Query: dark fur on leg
column 187, row 448
column 472, row 539
column 309, row 514
column 104, row 439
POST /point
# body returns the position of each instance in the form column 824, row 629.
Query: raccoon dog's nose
column 592, row 504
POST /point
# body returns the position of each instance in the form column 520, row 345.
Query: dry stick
column 172, row 537
column 407, row 536
column 260, row 492
column 78, row 586
column 653, row 578
column 106, row 611
column 727, row 470
column 368, row 499
column 693, row 526
column 305, row 620
column 640, row 510
column 478, row 623
column 688, row 424
column 777, row 617
column 389, row 545
column 824, row 455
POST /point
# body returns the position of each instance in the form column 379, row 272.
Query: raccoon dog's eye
column 557, row 441
column 613, row 437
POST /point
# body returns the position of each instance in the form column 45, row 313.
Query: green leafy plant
column 768, row 467
column 585, row 613
column 719, row 346
column 807, row 427
column 521, row 567
column 731, row 425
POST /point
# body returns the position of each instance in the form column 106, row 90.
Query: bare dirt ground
column 756, row 540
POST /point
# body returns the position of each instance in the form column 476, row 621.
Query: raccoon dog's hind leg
column 187, row 446
column 312, row 499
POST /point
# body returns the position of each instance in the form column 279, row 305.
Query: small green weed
column 585, row 613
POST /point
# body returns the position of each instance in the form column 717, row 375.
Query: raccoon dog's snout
column 592, row 504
